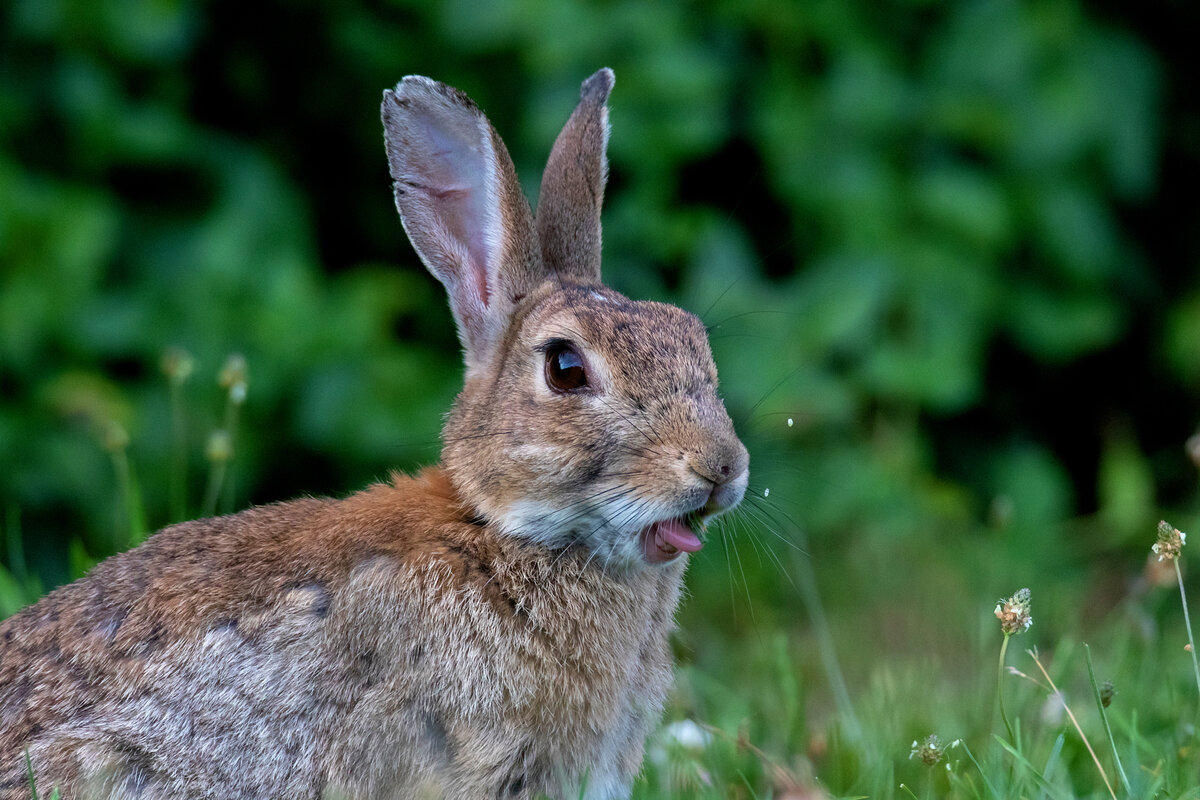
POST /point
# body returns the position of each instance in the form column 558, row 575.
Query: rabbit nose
column 722, row 464
column 735, row 461
column 729, row 489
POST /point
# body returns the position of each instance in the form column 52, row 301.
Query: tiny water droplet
column 790, row 422
column 766, row 492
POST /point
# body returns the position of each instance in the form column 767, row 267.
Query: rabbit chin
column 658, row 542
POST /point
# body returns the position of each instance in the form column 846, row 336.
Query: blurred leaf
column 1077, row 232
column 81, row 561
column 1036, row 488
column 1183, row 338
column 1126, row 488
column 840, row 304
column 1057, row 327
column 968, row 203
column 14, row 595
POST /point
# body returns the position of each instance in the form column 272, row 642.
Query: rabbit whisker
column 720, row 297
column 757, row 312
column 766, row 549
column 768, row 523
column 769, row 509
column 745, row 417
column 745, row 585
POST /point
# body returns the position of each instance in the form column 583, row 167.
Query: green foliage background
column 953, row 242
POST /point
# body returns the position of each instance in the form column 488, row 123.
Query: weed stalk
column 128, row 526
column 1012, row 737
column 177, row 365
column 1187, row 621
column 221, row 442
column 218, row 452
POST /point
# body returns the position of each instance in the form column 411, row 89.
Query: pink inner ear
column 479, row 271
column 462, row 214
column 458, row 179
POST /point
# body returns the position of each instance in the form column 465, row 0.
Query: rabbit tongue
column 665, row 540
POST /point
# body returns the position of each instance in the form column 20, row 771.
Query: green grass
column 33, row 788
column 1059, row 740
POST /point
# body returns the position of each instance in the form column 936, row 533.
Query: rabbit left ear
column 568, row 211
column 462, row 207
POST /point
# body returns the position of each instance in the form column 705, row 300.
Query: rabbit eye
column 564, row 368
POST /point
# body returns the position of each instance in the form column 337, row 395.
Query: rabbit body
column 496, row 626
column 385, row 645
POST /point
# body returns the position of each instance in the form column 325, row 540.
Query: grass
column 1063, row 736
column 789, row 686
column 33, row 788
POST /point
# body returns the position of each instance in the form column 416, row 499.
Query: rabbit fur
column 496, row 626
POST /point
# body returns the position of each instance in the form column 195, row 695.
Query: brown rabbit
column 494, row 627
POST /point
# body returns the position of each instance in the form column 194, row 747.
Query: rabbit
column 493, row 627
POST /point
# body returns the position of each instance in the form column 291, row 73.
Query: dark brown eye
column 564, row 368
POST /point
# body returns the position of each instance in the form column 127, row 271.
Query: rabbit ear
column 462, row 207
column 568, row 211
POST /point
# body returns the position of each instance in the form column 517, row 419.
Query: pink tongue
column 679, row 536
column 664, row 541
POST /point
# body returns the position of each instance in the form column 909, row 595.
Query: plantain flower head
column 1014, row 614
column 1170, row 542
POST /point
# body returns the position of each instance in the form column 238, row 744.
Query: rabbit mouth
column 664, row 540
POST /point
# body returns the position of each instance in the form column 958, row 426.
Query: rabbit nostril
column 725, row 470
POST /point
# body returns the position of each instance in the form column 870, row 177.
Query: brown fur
column 311, row 579
column 489, row 628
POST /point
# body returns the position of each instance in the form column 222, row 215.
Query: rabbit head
column 586, row 418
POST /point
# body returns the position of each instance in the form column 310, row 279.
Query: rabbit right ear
column 568, row 210
column 462, row 207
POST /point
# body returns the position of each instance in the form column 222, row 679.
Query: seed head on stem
column 1168, row 546
column 1170, row 542
column 1014, row 613
column 930, row 751
column 177, row 364
column 1015, row 617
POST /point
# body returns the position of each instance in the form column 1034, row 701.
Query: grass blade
column 29, row 771
column 1038, row 778
column 982, row 774
column 1052, row 761
column 1087, row 651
